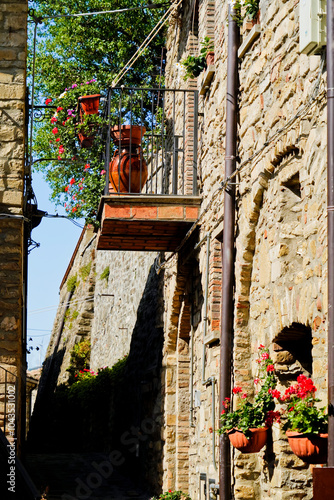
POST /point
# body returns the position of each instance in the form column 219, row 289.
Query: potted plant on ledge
column 194, row 65
column 305, row 424
column 247, row 426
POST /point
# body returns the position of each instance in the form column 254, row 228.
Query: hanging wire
column 38, row 20
column 52, row 308
column 146, row 42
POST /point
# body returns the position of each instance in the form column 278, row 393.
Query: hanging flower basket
column 311, row 448
column 128, row 169
column 86, row 135
column 89, row 104
column 253, row 444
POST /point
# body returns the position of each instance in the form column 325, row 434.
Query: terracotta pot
column 210, row 58
column 135, row 133
column 311, row 448
column 89, row 104
column 86, row 141
column 128, row 170
column 248, row 445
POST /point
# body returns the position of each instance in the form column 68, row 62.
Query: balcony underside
column 145, row 223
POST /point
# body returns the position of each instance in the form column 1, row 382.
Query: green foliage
column 81, row 48
column 85, row 270
column 78, row 180
column 172, row 495
column 245, row 8
column 72, row 283
column 260, row 412
column 105, row 274
column 301, row 413
column 194, row 65
column 80, row 358
column 71, row 51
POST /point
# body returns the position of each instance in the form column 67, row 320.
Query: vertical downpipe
column 330, row 222
column 226, row 345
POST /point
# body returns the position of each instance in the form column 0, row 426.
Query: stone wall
column 120, row 282
column 13, row 40
column 281, row 254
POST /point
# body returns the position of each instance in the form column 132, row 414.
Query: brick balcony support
column 149, row 223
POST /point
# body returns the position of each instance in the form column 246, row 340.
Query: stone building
column 280, row 266
column 279, row 259
column 13, row 52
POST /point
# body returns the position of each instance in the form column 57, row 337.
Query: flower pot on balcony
column 128, row 169
column 311, row 448
column 127, row 134
column 89, row 104
column 253, row 444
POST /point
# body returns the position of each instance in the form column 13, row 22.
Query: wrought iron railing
column 163, row 161
column 8, row 403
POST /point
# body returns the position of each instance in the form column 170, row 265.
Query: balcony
column 150, row 200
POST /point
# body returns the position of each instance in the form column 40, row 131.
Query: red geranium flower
column 59, row 109
column 270, row 368
column 55, row 131
column 53, row 119
column 236, row 390
column 72, row 181
column 48, row 100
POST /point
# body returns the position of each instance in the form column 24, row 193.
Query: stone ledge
column 253, row 35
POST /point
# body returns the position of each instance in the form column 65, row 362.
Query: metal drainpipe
column 192, row 376
column 226, row 345
column 330, row 224
column 205, row 318
column 210, row 380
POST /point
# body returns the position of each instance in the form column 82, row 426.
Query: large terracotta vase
column 128, row 169
column 311, row 448
column 253, row 444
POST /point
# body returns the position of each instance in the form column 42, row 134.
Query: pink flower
column 74, row 85
column 102, row 172
column 72, row 181
column 61, row 150
column 256, row 380
column 48, row 100
column 54, row 130
column 265, row 355
column 244, row 396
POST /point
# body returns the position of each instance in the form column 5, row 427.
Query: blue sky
column 46, row 267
